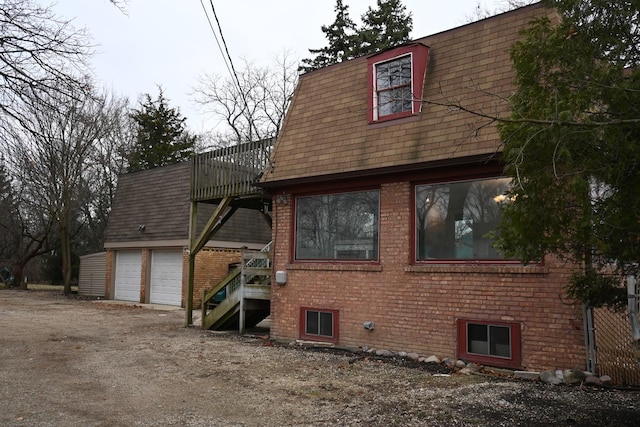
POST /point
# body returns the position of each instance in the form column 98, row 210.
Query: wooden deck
column 227, row 177
column 229, row 171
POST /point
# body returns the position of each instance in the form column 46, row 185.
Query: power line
column 226, row 56
column 215, row 36
column 224, row 43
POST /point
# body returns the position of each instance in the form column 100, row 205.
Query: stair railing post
column 243, row 281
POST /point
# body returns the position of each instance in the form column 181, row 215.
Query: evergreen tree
column 160, row 135
column 9, row 220
column 386, row 26
column 572, row 146
column 341, row 38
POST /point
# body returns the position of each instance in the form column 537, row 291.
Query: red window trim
column 474, row 173
column 330, row 191
column 419, row 55
column 513, row 362
column 321, row 338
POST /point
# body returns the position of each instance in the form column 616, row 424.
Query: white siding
column 92, row 275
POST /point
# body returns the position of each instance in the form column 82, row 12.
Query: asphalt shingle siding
column 159, row 199
column 327, row 132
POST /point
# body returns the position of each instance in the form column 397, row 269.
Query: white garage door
column 128, row 275
column 166, row 277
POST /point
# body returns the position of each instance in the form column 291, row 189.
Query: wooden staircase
column 242, row 299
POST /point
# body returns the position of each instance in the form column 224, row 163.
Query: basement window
column 489, row 343
column 319, row 325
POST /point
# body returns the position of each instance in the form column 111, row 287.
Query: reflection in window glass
column 338, row 226
column 393, row 86
column 453, row 219
column 489, row 340
column 319, row 323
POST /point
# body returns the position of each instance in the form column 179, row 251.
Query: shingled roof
column 327, row 132
column 159, row 199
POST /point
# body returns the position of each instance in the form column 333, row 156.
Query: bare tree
column 251, row 107
column 55, row 159
column 37, row 50
column 106, row 161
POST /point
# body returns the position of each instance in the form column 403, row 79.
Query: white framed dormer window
column 396, row 80
column 392, row 91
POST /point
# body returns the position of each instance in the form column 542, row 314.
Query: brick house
column 382, row 203
column 147, row 239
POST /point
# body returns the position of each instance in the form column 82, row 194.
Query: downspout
column 589, row 337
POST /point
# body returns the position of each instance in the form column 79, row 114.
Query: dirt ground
column 71, row 362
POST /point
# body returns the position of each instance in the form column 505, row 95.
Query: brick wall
column 415, row 307
column 108, row 281
column 145, row 273
column 211, row 267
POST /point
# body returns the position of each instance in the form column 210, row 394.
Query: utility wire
column 224, row 43
column 215, row 36
column 226, row 56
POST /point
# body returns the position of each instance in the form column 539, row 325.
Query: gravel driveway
column 71, row 362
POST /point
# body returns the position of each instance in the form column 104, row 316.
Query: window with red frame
column 393, row 87
column 339, row 226
column 396, row 80
column 489, row 343
column 318, row 325
column 454, row 220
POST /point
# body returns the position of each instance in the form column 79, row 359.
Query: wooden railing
column 255, row 267
column 229, row 171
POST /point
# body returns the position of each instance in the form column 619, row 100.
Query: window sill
column 335, row 267
column 394, row 120
column 477, row 268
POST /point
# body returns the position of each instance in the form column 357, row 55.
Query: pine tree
column 386, row 26
column 572, row 147
column 341, row 37
column 161, row 137
column 9, row 221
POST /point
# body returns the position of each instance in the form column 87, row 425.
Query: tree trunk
column 18, row 271
column 65, row 248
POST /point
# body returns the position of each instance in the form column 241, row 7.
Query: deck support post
column 193, row 214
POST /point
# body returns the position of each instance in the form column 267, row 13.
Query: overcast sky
column 169, row 42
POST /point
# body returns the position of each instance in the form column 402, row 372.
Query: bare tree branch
column 256, row 109
column 37, row 51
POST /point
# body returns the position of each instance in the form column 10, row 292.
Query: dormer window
column 393, row 87
column 396, row 79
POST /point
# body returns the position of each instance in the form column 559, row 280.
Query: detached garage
column 148, row 235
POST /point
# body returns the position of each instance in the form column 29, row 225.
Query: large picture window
column 453, row 219
column 342, row 226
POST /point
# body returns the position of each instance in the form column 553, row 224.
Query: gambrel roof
column 328, row 134
column 158, row 198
